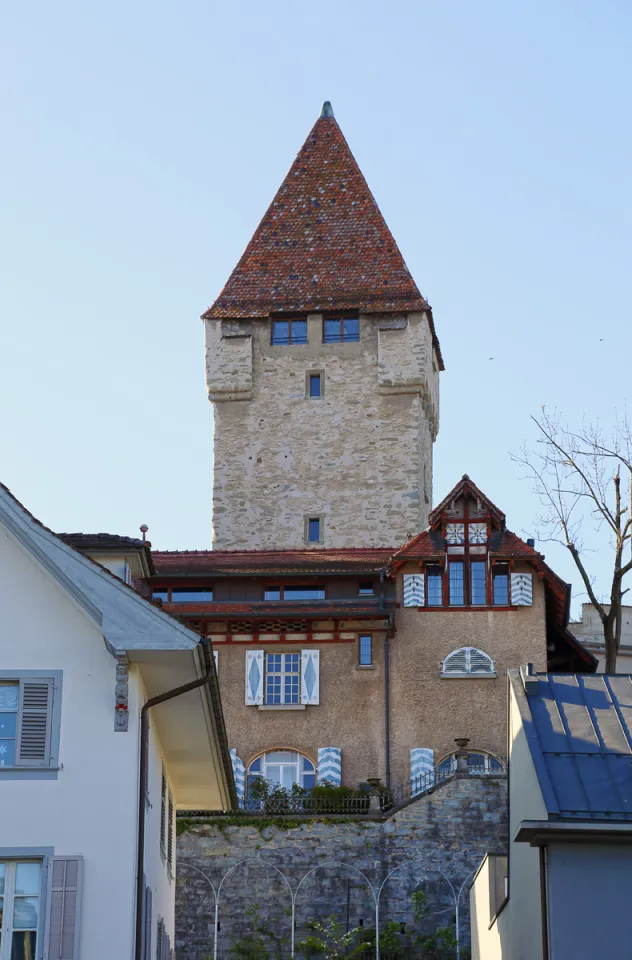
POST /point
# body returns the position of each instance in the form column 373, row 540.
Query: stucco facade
column 359, row 456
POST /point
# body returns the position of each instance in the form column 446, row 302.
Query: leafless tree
column 584, row 478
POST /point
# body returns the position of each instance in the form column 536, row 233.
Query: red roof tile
column 322, row 245
column 203, row 562
column 424, row 546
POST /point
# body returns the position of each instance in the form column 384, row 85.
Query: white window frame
column 279, row 763
column 283, row 673
column 468, row 672
column 49, row 768
column 9, row 899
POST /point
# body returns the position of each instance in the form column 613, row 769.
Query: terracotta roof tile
column 323, row 244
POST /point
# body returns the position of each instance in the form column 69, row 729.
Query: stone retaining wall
column 450, row 829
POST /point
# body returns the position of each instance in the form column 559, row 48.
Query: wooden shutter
column 521, row 589
column 239, row 773
column 163, row 811
column 63, row 930
column 34, row 723
column 170, row 827
column 421, row 769
column 254, row 677
column 457, row 661
column 330, row 765
column 414, row 590
column 480, row 662
column 160, row 940
column 310, row 681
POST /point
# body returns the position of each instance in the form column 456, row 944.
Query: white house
column 88, row 804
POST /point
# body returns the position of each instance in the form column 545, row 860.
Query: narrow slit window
column 457, row 584
column 313, row 530
column 315, row 385
column 478, row 574
column 366, row 590
column 435, row 586
column 366, row 653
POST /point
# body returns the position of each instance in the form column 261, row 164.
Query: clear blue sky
column 143, row 141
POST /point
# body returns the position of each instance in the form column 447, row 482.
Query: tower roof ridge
column 322, row 245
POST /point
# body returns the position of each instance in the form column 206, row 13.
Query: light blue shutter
column 330, row 765
column 414, row 590
column 310, row 682
column 254, row 677
column 521, row 589
column 65, row 904
column 239, row 773
column 422, row 772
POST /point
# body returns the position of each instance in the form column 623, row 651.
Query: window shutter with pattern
column 310, row 681
column 34, row 725
column 521, row 589
column 254, row 677
column 63, row 930
column 414, row 592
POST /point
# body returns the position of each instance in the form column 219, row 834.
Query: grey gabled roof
column 579, row 731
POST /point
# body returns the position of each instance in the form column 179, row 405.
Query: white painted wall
column 91, row 809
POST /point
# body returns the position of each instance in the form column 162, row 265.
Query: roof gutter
column 205, row 680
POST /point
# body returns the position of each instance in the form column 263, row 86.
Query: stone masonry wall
column 450, row 829
column 360, row 456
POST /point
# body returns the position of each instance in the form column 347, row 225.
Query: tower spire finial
column 328, row 110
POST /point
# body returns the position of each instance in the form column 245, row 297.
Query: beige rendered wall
column 428, row 710
column 360, row 456
column 486, row 943
column 350, row 714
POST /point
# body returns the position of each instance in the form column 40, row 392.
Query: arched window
column 283, row 768
column 466, row 662
column 479, row 764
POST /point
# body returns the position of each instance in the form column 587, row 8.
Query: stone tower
column 322, row 363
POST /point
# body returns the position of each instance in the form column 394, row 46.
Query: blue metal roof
column 579, row 730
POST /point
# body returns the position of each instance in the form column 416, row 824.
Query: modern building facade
column 562, row 890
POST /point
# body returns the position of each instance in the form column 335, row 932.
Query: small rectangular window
column 315, row 385
column 435, row 585
column 272, row 593
column 286, row 332
column 366, row 655
column 456, row 582
column 500, row 584
column 341, row 330
column 366, row 590
column 303, row 593
column 313, row 530
column 161, row 593
column 191, row 594
column 478, row 572
column 26, row 722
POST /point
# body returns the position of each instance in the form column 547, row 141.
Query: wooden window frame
column 361, row 637
column 308, row 384
column 169, row 587
column 290, row 341
column 294, row 583
column 341, row 317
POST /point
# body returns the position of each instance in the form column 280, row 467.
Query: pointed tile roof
column 323, row 243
